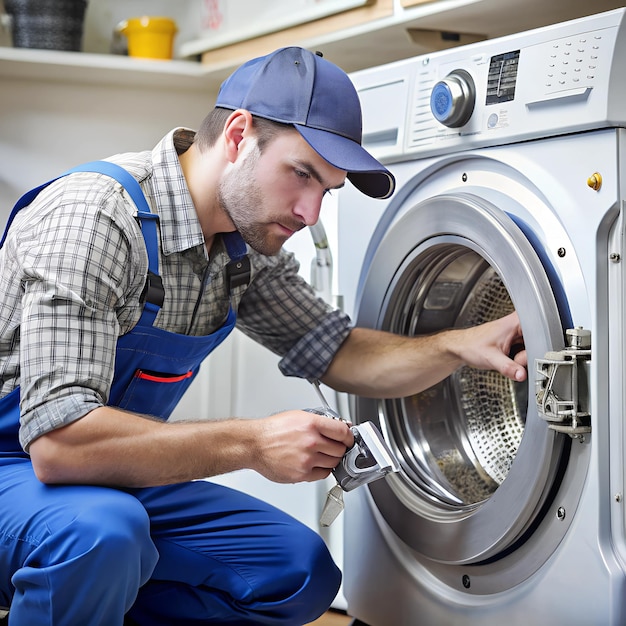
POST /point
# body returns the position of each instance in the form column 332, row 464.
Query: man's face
column 271, row 195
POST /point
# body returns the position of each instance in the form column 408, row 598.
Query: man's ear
column 237, row 128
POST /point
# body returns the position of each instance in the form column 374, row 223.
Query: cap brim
column 364, row 171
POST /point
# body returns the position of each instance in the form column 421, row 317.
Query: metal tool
column 327, row 410
column 333, row 506
column 367, row 460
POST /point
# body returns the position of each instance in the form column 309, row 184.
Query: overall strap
column 238, row 270
column 154, row 292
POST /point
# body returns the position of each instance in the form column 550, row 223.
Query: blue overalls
column 191, row 553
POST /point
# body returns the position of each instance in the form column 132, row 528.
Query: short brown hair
column 213, row 125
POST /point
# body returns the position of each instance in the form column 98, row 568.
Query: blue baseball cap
column 298, row 87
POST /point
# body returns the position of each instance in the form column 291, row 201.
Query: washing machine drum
column 479, row 466
column 463, row 434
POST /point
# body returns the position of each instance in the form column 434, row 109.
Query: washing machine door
column 478, row 464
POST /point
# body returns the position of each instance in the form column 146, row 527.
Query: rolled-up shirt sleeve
column 281, row 311
column 311, row 356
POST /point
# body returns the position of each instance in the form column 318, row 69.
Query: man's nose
column 308, row 209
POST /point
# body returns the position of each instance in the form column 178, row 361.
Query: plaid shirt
column 73, row 268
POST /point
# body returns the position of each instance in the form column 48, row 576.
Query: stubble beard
column 241, row 199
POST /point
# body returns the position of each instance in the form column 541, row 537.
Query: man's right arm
column 111, row 447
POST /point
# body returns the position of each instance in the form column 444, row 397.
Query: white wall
column 47, row 127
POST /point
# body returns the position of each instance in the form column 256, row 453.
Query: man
column 114, row 293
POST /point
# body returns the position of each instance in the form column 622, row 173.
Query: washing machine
column 509, row 157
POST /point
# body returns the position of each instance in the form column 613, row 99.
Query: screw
column 595, row 181
column 464, row 178
column 561, row 252
column 615, row 257
column 618, row 497
column 560, row 514
column 466, row 581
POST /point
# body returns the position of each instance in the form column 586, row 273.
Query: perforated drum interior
column 464, row 433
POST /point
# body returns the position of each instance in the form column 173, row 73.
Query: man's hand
column 296, row 446
column 491, row 346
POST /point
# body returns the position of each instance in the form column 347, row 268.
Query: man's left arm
column 375, row 363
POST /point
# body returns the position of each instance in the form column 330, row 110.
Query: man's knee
column 117, row 537
column 314, row 579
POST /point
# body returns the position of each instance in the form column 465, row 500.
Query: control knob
column 452, row 99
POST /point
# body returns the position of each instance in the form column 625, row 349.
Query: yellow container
column 149, row 37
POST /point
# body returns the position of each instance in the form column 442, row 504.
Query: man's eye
column 302, row 174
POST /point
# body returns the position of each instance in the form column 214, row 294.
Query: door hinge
column 562, row 385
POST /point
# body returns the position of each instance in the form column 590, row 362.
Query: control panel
column 554, row 80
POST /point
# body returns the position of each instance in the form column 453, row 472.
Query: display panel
column 502, row 77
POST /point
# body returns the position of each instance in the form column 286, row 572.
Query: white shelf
column 375, row 43
column 82, row 67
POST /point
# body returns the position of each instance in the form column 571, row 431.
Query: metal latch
column 367, row 460
column 562, row 385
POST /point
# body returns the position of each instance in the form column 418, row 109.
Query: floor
column 332, row 618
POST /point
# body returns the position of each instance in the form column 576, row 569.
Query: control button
column 452, row 99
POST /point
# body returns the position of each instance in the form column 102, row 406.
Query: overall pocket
column 155, row 393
